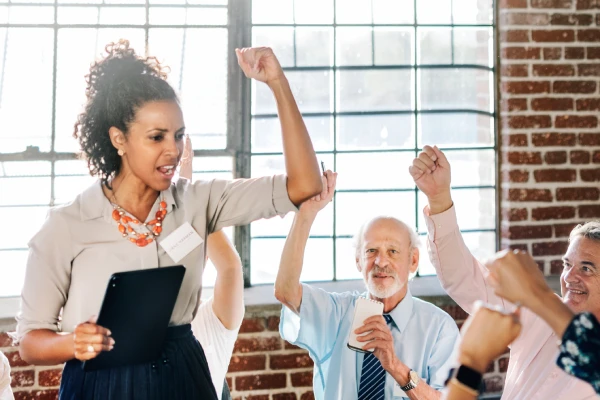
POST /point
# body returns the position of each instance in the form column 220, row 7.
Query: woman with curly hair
column 131, row 133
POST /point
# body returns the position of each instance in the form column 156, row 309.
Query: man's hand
column 431, row 173
column 379, row 337
column 259, row 63
column 515, row 276
column 486, row 334
column 311, row 207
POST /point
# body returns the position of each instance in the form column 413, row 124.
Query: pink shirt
column 532, row 372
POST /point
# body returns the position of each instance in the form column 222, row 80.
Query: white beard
column 383, row 292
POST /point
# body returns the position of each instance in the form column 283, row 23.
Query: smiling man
column 532, row 372
column 412, row 341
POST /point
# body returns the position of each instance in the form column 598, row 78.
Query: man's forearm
column 423, row 391
column 551, row 309
column 288, row 289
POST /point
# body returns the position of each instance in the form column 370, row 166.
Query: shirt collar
column 94, row 203
column 403, row 311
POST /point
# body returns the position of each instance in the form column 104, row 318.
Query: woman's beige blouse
column 79, row 246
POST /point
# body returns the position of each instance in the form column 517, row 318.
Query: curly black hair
column 117, row 86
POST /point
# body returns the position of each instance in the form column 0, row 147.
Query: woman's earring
column 120, row 152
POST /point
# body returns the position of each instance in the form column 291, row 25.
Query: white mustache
column 379, row 270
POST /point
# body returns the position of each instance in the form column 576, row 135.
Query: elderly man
column 532, row 372
column 413, row 341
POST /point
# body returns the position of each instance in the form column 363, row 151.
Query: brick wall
column 550, row 69
column 263, row 366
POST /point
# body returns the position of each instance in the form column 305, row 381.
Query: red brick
column 514, row 214
column 590, row 175
column 593, row 53
column 556, row 267
column 576, row 121
column 588, row 35
column 273, row 324
column 229, row 382
column 524, row 18
column 574, row 53
column 529, row 232
column 574, row 87
column 563, row 230
column 555, row 175
column 555, row 157
column 518, row 176
column 301, row 379
column 308, row 396
column 503, row 364
column 515, row 140
column 588, row 70
column 514, row 35
column 5, row 340
column 529, row 121
column 577, row 193
column 518, row 70
column 260, row 381
column 514, row 104
column 589, row 211
column 289, row 361
column 22, row 378
column 589, row 139
column 553, row 36
column 552, row 104
column 517, row 246
column 15, row 359
column 521, row 53
column 284, row 396
column 571, row 19
column 596, row 157
column 252, row 325
column 491, row 368
column 551, row 3
column 551, row 213
column 289, row 346
column 247, row 363
column 552, row 53
column 493, row 384
column 49, row 377
column 523, row 157
column 255, row 344
column 526, row 87
column 513, row 4
column 553, row 139
column 455, row 312
column 37, row 395
column 555, row 248
column 553, row 70
column 259, row 397
column 580, row 157
column 529, row 195
column 592, row 104
column 587, row 4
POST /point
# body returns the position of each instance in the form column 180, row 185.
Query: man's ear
column 414, row 260
column 358, row 266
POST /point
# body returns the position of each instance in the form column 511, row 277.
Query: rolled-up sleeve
column 316, row 328
column 242, row 201
column 47, row 277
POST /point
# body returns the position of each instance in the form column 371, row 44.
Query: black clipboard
column 136, row 309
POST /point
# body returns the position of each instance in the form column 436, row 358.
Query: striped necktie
column 372, row 378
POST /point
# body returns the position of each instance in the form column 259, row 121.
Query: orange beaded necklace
column 125, row 224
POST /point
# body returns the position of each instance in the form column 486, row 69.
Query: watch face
column 414, row 377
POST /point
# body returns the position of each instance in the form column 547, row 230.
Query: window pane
column 456, row 129
column 380, row 90
column 26, row 120
column 276, row 226
column 375, row 132
column 472, row 46
column 272, row 11
column 353, row 209
column 345, row 260
column 394, row 46
column 472, row 167
column 354, row 46
column 313, row 11
column 271, row 165
column 30, row 15
column 455, row 88
column 393, row 11
column 12, row 269
column 434, row 12
column 314, row 46
column 78, row 15
column 24, row 191
column 472, row 11
column 435, row 45
column 123, row 15
column 266, row 134
column 374, row 170
column 25, row 222
column 353, row 12
column 280, row 39
column 311, row 90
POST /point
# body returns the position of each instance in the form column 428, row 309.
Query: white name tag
column 181, row 241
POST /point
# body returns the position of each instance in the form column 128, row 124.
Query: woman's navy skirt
column 180, row 373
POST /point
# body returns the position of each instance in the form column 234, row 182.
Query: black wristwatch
column 467, row 377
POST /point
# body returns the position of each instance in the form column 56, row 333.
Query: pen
column 323, row 167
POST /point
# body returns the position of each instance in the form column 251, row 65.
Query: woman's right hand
column 89, row 339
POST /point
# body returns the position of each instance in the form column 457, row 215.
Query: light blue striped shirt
column 424, row 340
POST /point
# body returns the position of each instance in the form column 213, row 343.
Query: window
column 376, row 80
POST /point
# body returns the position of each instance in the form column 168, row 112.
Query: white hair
column 359, row 237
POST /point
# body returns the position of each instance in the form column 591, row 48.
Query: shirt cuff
column 281, row 199
column 442, row 224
